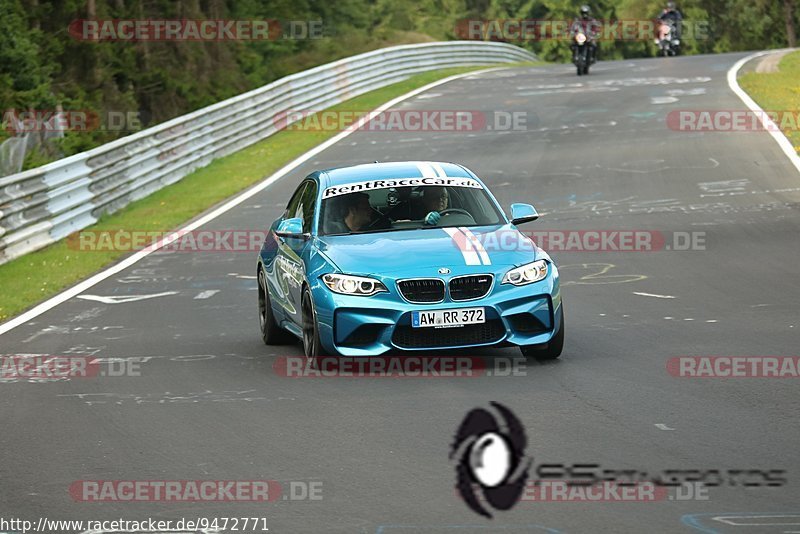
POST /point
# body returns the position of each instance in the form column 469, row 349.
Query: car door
column 282, row 271
column 291, row 251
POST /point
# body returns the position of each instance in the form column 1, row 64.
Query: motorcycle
column 667, row 45
column 581, row 53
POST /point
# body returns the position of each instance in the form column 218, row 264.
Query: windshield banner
column 398, row 182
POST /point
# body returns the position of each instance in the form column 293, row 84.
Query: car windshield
column 373, row 207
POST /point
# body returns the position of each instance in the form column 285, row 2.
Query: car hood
column 406, row 251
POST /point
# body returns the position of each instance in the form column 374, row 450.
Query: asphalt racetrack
column 594, row 153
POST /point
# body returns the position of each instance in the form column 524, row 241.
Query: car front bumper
column 370, row 326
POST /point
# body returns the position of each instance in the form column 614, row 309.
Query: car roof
column 395, row 169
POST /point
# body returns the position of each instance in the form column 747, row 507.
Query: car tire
column 271, row 333
column 552, row 350
column 312, row 348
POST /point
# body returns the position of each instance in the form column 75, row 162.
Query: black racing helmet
column 671, row 6
column 585, row 11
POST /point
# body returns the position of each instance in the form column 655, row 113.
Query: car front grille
column 422, row 290
column 473, row 286
column 408, row 337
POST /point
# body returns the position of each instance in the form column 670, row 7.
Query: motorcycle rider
column 590, row 27
column 671, row 15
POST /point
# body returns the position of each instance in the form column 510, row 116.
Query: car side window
column 294, row 203
column 307, row 204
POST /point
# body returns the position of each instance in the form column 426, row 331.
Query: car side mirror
column 522, row 213
column 291, row 228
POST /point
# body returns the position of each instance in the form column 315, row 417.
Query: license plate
column 447, row 318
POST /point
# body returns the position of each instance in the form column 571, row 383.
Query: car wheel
column 312, row 347
column 271, row 333
column 552, row 350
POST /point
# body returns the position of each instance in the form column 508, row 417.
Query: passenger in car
column 350, row 213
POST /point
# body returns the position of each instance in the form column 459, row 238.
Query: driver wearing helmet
column 590, row 27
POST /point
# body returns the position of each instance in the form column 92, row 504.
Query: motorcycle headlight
column 526, row 274
column 347, row 284
column 676, row 42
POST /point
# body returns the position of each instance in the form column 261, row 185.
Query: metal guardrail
column 42, row 205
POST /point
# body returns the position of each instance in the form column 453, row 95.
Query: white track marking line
column 235, row 201
column 662, row 426
column 653, row 295
column 122, row 299
column 768, row 124
column 208, row 293
column 728, row 520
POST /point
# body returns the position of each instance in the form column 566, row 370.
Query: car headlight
column 347, row 284
column 526, row 274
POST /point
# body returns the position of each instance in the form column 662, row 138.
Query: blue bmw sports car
column 406, row 255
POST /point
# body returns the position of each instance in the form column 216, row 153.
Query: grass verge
column 779, row 91
column 26, row 281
